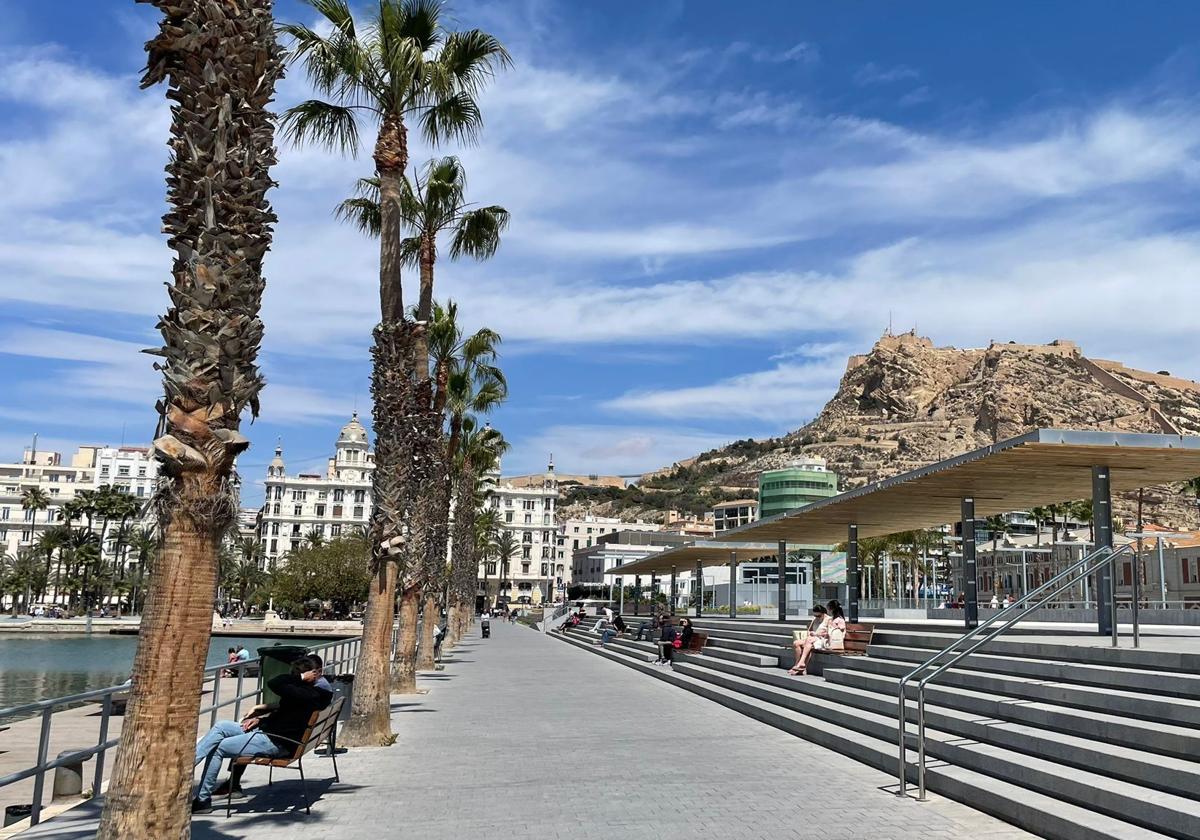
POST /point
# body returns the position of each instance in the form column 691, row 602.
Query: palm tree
column 433, row 203
column 315, row 537
column 506, row 548
column 221, row 62
column 403, row 65
column 48, row 542
column 35, row 499
column 145, row 546
column 478, row 451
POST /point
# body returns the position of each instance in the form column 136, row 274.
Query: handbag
column 799, row 635
column 677, row 643
column 837, row 637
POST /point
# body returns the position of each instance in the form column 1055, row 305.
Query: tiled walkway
column 522, row 736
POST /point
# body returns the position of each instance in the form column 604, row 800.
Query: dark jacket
column 668, row 633
column 685, row 635
column 297, row 701
column 619, row 624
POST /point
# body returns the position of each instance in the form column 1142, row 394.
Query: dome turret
column 353, row 433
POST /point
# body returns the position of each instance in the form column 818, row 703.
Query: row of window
column 122, row 471
column 811, row 485
column 319, row 511
column 360, row 496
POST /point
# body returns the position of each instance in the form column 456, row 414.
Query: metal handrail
column 343, row 651
column 1084, row 567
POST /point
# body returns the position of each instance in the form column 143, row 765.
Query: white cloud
column 789, row 392
column 610, row 450
column 875, row 74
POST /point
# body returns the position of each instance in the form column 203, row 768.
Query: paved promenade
column 524, row 736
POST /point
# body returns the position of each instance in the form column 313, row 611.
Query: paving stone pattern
column 522, row 736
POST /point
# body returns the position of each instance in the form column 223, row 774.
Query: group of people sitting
column 827, row 631
column 661, row 629
column 268, row 730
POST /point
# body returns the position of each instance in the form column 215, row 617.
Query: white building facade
column 574, row 534
column 528, row 511
column 328, row 504
column 130, row 468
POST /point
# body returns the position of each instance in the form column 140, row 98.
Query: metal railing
column 334, row 655
column 1022, row 608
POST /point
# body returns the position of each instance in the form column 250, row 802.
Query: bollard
column 68, row 778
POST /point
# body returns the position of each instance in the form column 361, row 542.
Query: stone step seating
column 1062, row 741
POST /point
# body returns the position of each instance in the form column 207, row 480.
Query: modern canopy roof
column 684, row 557
column 1039, row 468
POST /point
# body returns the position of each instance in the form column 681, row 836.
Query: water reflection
column 37, row 667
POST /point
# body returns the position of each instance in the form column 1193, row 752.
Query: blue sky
column 713, row 205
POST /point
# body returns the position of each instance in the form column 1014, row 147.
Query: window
column 298, row 495
column 576, row 530
column 528, row 504
column 104, row 471
column 1189, row 570
column 274, row 546
column 29, row 512
column 339, row 495
column 295, row 528
column 527, row 537
column 274, row 528
column 508, row 502
column 4, row 513
column 529, row 519
column 335, row 530
column 27, row 536
column 545, row 569
column 1127, row 574
column 508, row 518
column 323, row 494
column 547, row 504
column 358, row 511
column 360, row 496
column 295, row 544
column 297, row 510
column 545, row 519
column 275, row 509
column 525, row 556
column 545, row 552
column 141, row 491
column 590, row 531
column 279, row 492
column 141, row 472
column 123, row 471
column 320, row 510
column 489, row 567
column 575, row 547
column 337, row 511
column 524, row 568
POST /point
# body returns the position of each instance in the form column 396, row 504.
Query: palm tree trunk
column 430, row 610
column 404, row 671
column 151, row 782
column 391, row 159
column 370, row 717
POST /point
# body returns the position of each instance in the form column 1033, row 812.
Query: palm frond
column 478, row 233
column 410, row 251
column 337, row 12
column 471, row 58
column 454, row 117
column 421, row 23
column 363, row 213
column 333, row 126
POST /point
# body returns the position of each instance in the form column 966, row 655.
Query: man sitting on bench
column 266, row 731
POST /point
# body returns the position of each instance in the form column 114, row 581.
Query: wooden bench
column 696, row 643
column 858, row 637
column 322, row 727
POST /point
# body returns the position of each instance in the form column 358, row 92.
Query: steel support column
column 852, row 573
column 698, row 587
column 637, row 593
column 1102, row 524
column 653, row 593
column 733, row 584
column 970, row 571
column 673, row 590
column 782, row 581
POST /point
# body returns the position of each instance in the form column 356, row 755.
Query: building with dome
column 327, row 504
column 527, row 508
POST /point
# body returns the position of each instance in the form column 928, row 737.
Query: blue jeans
column 607, row 636
column 224, row 741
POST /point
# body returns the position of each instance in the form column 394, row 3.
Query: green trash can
column 276, row 660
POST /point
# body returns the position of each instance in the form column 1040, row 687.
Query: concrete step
column 756, row 659
column 1124, row 657
column 1043, row 815
column 1168, row 774
column 1185, row 686
column 1161, row 738
column 1107, row 700
column 750, row 647
column 1156, row 810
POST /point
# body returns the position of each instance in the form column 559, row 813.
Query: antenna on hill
column 889, row 329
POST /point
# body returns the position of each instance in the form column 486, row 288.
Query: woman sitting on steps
column 817, row 637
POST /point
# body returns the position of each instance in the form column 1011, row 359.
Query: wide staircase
column 1064, row 741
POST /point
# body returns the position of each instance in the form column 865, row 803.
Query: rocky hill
column 907, row 403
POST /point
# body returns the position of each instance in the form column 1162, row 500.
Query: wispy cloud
column 875, row 74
